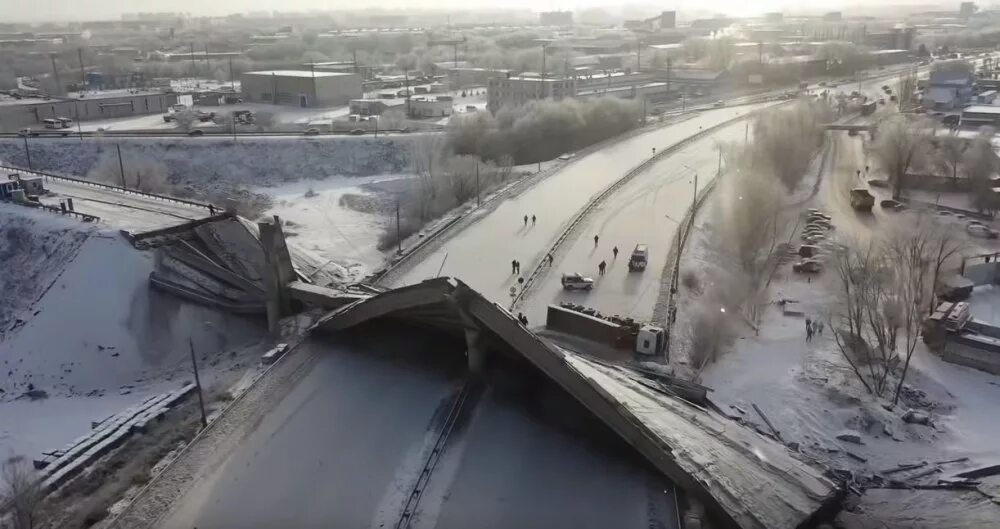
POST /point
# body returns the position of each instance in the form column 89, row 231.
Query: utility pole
column 746, row 134
column 406, row 83
column 197, row 385
column 232, row 76
column 27, row 153
column 55, row 74
column 477, row 184
column 83, row 76
column 543, row 72
column 399, row 240
column 718, row 171
column 121, row 166
column 79, row 129
column 638, row 56
column 194, row 68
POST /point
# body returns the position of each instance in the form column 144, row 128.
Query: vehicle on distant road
column 577, row 282
column 862, row 199
column 807, row 266
column 65, row 122
column 26, row 132
column 719, row 103
column 196, row 132
column 978, row 230
column 891, row 205
column 357, row 132
column 639, row 258
column 311, row 132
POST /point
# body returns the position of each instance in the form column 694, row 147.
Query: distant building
column 29, row 112
column 948, row 89
column 516, row 91
column 202, row 55
column 431, row 107
column 556, row 18
column 967, row 9
column 833, row 16
column 668, row 20
column 979, row 115
column 891, row 39
column 459, row 78
column 301, row 88
column 774, row 17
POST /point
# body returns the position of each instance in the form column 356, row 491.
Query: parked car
column 26, row 132
column 808, row 266
column 978, row 230
column 719, row 103
column 357, row 132
column 808, row 250
column 196, row 132
column 577, row 282
column 311, row 132
column 891, row 205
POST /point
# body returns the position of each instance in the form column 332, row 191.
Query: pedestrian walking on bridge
column 596, row 238
column 809, row 330
column 525, row 220
column 532, row 220
column 615, row 251
column 601, row 267
column 513, row 266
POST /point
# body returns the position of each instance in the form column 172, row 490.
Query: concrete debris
column 916, row 417
column 982, row 472
column 850, row 436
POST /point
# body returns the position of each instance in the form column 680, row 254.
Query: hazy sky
column 38, row 10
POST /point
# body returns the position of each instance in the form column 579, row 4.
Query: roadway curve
column 481, row 254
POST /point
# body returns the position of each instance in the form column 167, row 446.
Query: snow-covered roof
column 298, row 73
column 981, row 109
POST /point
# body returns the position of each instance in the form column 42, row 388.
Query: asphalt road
column 645, row 211
column 481, row 254
column 344, row 447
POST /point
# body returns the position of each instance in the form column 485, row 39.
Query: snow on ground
column 809, row 391
column 219, row 164
column 316, row 220
column 100, row 339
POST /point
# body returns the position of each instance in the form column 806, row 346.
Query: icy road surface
column 645, row 211
column 482, row 253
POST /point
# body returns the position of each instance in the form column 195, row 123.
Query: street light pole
column 197, row 384
column 399, row 241
column 121, row 165
column 478, row 203
column 27, row 152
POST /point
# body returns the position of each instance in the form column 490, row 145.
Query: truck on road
column 614, row 331
column 639, row 258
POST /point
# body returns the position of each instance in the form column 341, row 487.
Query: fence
column 110, row 187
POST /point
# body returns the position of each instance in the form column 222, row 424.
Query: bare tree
column 785, row 141
column 22, row 493
column 950, row 153
column 906, row 88
column 186, row 119
column 910, row 249
column 898, row 147
column 980, row 163
column 869, row 313
column 944, row 244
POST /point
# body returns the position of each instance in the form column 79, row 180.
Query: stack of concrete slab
column 60, row 465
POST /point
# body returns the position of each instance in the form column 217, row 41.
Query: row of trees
column 884, row 287
column 905, row 145
column 750, row 222
column 541, row 130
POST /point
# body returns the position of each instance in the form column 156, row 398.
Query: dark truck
column 868, row 108
column 620, row 333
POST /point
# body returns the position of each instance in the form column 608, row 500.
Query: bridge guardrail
column 119, row 189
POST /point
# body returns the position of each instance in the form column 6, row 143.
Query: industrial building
column 301, row 88
column 515, row 91
column 459, row 78
column 947, row 90
column 30, row 112
column 430, row 107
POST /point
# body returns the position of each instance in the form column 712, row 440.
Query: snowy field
column 94, row 337
column 808, row 390
column 316, row 220
column 249, row 161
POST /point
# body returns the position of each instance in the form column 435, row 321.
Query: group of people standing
column 813, row 327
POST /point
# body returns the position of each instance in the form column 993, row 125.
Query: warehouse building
column 301, row 88
column 30, row 112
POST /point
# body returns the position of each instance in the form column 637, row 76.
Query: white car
column 577, row 281
column 978, row 230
